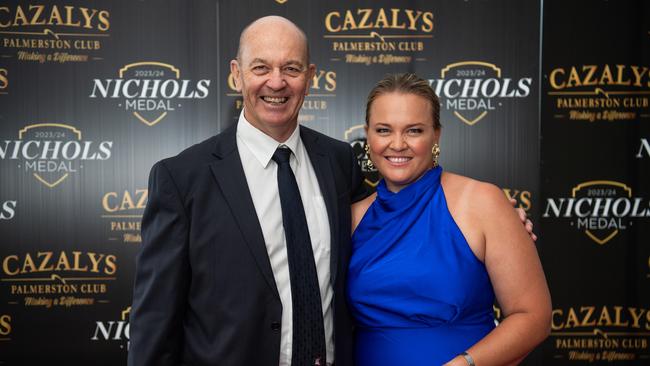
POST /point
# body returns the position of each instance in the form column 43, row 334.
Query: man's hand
column 524, row 219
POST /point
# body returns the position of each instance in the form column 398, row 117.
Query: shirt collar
column 262, row 145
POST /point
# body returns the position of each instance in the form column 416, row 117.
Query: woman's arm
column 516, row 274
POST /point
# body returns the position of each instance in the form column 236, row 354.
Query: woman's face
column 400, row 136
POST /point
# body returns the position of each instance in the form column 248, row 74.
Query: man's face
column 273, row 76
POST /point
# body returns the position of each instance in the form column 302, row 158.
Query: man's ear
column 311, row 71
column 235, row 72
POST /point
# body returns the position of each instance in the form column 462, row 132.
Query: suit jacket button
column 275, row 326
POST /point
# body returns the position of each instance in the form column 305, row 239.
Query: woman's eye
column 382, row 130
column 415, row 131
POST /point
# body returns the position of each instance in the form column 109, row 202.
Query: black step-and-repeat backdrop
column 548, row 101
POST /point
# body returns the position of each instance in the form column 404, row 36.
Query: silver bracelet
column 468, row 358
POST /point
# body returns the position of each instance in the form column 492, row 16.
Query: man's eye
column 259, row 68
column 292, row 70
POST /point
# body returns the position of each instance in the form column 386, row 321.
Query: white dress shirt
column 256, row 149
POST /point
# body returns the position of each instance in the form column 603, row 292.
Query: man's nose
column 276, row 80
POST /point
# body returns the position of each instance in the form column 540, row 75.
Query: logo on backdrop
column 600, row 208
column 149, row 90
column 378, row 36
column 522, row 197
column 473, row 89
column 600, row 333
column 51, row 152
column 600, row 92
column 322, row 91
column 644, row 149
column 356, row 136
column 8, row 210
column 123, row 212
column 48, row 279
column 4, row 81
column 53, row 33
column 114, row 331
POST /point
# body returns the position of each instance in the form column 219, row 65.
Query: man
column 215, row 275
column 214, row 282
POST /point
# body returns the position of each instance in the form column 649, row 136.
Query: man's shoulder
column 323, row 139
column 198, row 155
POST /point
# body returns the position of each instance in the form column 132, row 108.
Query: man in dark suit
column 214, row 280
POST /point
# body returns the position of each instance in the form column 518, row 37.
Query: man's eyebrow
column 258, row 61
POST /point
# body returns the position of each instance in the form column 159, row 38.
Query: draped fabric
column 417, row 292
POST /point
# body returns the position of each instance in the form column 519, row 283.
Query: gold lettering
column 45, row 261
column 591, row 70
column 28, row 262
column 5, row 9
column 427, row 19
column 554, row 325
column 574, row 78
column 4, row 80
column 69, row 17
column 95, row 261
column 638, row 75
column 524, row 198
column 572, row 319
column 5, row 325
column 363, row 24
column 330, row 78
column 77, row 261
column 111, row 266
column 105, row 203
column 5, row 265
column 413, row 19
column 63, row 262
column 348, row 21
column 381, row 19
column 590, row 311
column 127, row 201
column 88, row 17
column 55, row 15
column 104, row 24
column 328, row 26
column 619, row 76
column 142, row 200
column 20, row 16
column 37, row 14
column 553, row 81
column 605, row 318
column 606, row 75
column 617, row 316
column 636, row 317
column 395, row 18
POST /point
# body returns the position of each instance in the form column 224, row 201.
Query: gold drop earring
column 369, row 164
column 435, row 154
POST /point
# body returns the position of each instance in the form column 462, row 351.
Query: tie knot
column 281, row 155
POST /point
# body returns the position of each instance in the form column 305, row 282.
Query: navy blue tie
column 308, row 331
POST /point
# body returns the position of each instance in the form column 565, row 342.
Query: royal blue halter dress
column 418, row 294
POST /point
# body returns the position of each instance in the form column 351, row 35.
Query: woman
column 432, row 249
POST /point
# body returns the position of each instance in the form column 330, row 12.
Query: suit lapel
column 230, row 177
column 320, row 160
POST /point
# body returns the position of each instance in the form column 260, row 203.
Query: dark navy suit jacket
column 204, row 289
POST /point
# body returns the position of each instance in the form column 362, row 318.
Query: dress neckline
column 409, row 195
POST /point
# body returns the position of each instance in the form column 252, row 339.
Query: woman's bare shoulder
column 359, row 209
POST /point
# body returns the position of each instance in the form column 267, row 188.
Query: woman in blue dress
column 432, row 250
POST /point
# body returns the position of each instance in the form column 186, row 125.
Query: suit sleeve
column 358, row 189
column 162, row 276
